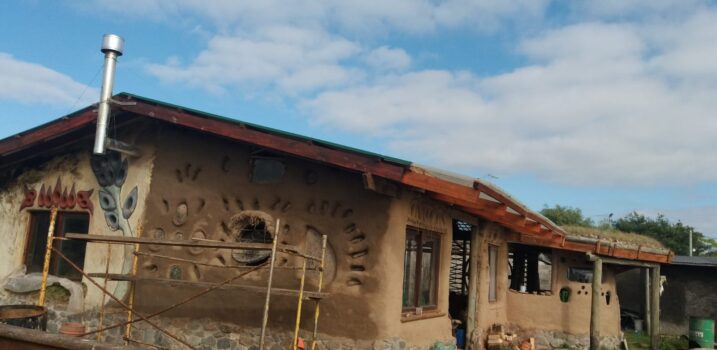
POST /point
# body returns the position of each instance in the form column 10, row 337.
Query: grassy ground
column 642, row 342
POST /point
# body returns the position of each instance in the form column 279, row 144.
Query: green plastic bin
column 702, row 332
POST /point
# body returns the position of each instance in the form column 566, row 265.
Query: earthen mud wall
column 73, row 170
column 206, row 188
column 547, row 312
column 415, row 209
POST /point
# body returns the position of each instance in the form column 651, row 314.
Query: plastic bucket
column 25, row 316
column 638, row 325
column 702, row 332
column 460, row 338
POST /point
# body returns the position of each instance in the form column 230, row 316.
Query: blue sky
column 607, row 105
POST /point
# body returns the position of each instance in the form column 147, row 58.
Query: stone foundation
column 204, row 334
column 560, row 340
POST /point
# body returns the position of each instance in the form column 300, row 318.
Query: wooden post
column 655, row 308
column 48, row 256
column 321, row 285
column 646, row 279
column 272, row 261
column 595, row 309
column 473, row 268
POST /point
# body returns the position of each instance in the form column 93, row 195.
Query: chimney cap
column 112, row 43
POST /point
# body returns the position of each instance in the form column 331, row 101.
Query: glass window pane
column 545, row 270
column 409, row 269
column 37, row 242
column 74, row 250
column 428, row 270
column 582, row 275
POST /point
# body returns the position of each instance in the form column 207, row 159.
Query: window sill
column 409, row 316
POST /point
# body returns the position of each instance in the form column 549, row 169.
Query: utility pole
column 690, row 254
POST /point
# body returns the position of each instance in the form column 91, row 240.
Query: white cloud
column 385, row 58
column 358, row 16
column 293, row 60
column 32, row 83
column 600, row 104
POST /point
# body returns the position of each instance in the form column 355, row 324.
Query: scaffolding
column 134, row 317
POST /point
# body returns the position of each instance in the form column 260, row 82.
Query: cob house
column 415, row 258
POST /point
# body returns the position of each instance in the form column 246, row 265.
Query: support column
column 595, row 308
column 655, row 308
column 645, row 273
column 473, row 267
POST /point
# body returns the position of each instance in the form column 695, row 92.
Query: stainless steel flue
column 112, row 47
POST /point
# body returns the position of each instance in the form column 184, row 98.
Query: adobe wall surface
column 688, row 292
column 544, row 317
column 548, row 312
column 200, row 183
column 491, row 312
column 73, row 169
column 414, row 209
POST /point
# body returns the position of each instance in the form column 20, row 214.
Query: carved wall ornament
column 429, row 215
column 58, row 197
column 111, row 173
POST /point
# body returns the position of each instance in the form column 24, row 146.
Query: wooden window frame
column 57, row 244
column 493, row 273
column 419, row 261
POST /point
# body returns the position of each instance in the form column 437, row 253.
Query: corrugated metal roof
column 708, row 261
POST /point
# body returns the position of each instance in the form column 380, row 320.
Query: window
column 251, row 229
column 66, row 222
column 493, row 273
column 420, row 269
column 531, row 268
column 267, row 170
column 582, row 275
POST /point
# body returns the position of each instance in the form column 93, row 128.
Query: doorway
column 458, row 284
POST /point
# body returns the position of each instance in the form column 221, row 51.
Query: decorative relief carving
column 110, row 171
column 429, row 215
column 357, row 250
column 58, row 197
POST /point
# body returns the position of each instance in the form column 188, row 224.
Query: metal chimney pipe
column 112, row 47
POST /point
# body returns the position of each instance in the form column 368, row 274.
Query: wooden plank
column 176, row 243
column 474, row 280
column 481, row 204
column 18, row 338
column 172, row 282
column 434, row 184
column 623, row 262
column 503, row 199
column 300, row 148
column 616, row 252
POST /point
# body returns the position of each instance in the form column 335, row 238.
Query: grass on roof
column 613, row 236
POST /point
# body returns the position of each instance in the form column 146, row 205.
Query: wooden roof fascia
column 283, row 144
column 605, row 250
column 436, row 185
column 52, row 130
column 504, row 199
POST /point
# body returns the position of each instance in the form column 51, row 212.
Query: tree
column 674, row 236
column 566, row 216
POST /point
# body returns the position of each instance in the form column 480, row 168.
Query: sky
column 607, row 106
